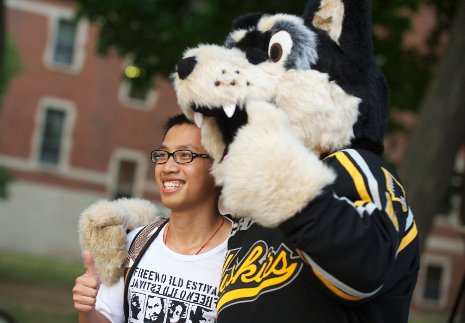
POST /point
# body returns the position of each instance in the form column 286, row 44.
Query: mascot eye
column 280, row 46
column 276, row 52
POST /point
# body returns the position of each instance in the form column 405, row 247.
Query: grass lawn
column 38, row 290
column 429, row 318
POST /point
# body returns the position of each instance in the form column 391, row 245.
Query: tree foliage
column 407, row 70
column 9, row 66
column 427, row 168
column 5, row 178
column 154, row 33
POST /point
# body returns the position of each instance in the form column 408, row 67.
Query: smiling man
column 179, row 260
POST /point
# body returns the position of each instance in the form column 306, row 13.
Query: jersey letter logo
column 262, row 269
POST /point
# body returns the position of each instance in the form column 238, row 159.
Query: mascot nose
column 186, row 66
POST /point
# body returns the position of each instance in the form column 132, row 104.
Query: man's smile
column 172, row 185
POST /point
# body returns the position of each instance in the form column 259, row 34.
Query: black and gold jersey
column 350, row 255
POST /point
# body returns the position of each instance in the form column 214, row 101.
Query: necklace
column 203, row 246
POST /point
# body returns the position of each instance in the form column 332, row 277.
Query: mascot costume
column 293, row 111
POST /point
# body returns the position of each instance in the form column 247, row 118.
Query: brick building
column 71, row 130
column 442, row 267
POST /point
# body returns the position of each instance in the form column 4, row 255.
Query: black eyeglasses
column 160, row 156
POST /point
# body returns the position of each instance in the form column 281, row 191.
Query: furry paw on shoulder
column 270, row 175
column 103, row 228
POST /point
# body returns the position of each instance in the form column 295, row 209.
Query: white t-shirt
column 167, row 286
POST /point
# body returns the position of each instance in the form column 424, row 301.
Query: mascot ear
column 326, row 15
column 347, row 23
column 346, row 54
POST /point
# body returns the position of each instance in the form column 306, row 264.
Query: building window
column 433, row 278
column 127, row 170
column 65, row 42
column 125, row 179
column 134, row 95
column 52, row 136
column 137, row 92
column 65, row 48
column 137, row 97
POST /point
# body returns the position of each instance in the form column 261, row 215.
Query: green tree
column 156, row 32
column 428, row 165
column 9, row 65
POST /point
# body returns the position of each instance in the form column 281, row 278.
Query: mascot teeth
column 229, row 110
column 198, row 117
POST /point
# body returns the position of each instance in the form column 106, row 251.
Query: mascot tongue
column 229, row 119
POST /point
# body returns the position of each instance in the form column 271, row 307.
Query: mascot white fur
column 293, row 111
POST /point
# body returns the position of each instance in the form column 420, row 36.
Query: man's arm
column 358, row 235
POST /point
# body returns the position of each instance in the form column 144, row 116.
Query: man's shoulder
column 132, row 234
column 138, row 238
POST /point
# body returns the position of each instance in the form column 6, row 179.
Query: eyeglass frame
column 193, row 155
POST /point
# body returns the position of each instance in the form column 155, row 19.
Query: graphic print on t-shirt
column 156, row 297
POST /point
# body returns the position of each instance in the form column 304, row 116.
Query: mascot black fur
column 294, row 110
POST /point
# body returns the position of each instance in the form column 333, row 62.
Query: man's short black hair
column 175, row 121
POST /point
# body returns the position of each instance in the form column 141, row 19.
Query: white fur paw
column 267, row 116
column 102, row 231
column 270, row 175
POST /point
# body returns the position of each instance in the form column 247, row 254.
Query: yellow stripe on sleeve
column 355, row 175
column 334, row 289
column 338, row 292
column 408, row 238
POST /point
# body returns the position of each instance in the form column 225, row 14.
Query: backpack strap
column 139, row 246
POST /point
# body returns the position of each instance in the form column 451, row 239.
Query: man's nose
column 170, row 168
column 170, row 164
column 186, row 66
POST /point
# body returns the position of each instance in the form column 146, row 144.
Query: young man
column 182, row 265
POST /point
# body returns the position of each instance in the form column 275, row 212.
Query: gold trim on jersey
column 408, row 238
column 356, row 177
column 261, row 269
column 392, row 195
column 334, row 285
column 333, row 288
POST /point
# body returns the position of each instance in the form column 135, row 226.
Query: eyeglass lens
column 180, row 156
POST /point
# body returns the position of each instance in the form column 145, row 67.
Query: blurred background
column 85, row 88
